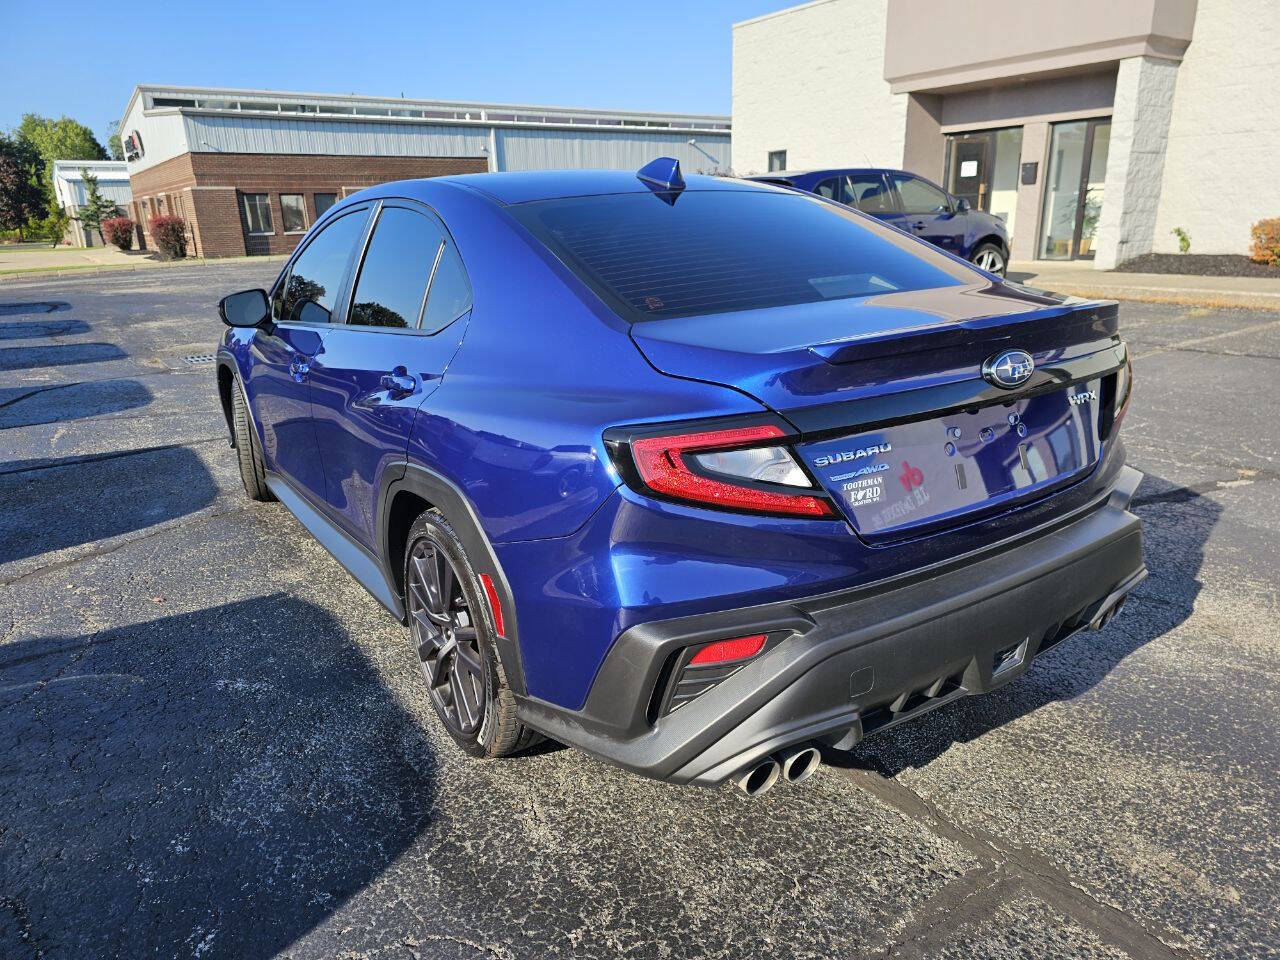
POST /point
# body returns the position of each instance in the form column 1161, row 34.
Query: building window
column 777, row 160
column 292, row 215
column 323, row 202
column 257, row 213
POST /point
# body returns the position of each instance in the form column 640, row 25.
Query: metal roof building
column 250, row 170
column 69, row 189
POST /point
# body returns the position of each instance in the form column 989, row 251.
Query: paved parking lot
column 215, row 744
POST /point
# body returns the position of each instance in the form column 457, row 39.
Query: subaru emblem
column 1009, row 369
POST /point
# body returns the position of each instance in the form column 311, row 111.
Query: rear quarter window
column 721, row 251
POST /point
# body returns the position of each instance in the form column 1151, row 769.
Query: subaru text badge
column 1009, row 369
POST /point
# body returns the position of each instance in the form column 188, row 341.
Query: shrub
column 170, row 235
column 1184, row 239
column 1266, row 241
column 119, row 231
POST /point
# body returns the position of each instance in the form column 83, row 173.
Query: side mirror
column 962, row 205
column 248, row 308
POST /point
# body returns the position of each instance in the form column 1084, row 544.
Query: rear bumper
column 840, row 666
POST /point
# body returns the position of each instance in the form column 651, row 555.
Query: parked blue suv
column 699, row 476
column 910, row 203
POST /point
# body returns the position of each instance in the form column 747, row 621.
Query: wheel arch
column 404, row 495
column 996, row 240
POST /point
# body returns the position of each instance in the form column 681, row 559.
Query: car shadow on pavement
column 212, row 783
column 58, row 503
column 57, row 355
column 42, row 328
column 1176, row 526
column 27, row 308
column 28, row 406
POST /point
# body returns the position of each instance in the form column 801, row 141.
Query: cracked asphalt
column 215, row 744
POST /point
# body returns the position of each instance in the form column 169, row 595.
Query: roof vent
column 662, row 174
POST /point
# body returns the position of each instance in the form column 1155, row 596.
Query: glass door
column 1074, row 189
column 982, row 168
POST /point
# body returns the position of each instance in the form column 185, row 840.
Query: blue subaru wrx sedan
column 701, row 476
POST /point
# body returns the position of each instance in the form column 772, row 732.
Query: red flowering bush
column 119, row 232
column 170, row 235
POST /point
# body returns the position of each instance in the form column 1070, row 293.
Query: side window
column 870, row 193
column 829, row 188
column 311, row 289
column 392, row 288
column 918, row 196
column 450, row 293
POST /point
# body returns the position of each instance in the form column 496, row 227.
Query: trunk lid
column 812, row 354
column 897, row 422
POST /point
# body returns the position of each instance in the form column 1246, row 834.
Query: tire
column 248, row 452
column 451, row 629
column 990, row 258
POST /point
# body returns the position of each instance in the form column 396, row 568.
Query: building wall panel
column 163, row 137
column 249, row 134
column 523, row 149
column 810, row 80
column 1220, row 168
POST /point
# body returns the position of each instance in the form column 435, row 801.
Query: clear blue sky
column 83, row 59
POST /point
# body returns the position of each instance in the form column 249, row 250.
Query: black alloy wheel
column 445, row 635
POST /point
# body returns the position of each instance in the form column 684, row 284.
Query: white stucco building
column 1094, row 128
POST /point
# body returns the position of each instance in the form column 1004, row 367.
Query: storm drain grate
column 198, row 358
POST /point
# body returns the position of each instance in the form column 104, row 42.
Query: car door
column 402, row 323
column 928, row 212
column 278, row 386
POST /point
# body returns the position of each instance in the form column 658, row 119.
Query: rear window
column 720, row 251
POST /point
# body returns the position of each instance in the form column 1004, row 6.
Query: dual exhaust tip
column 792, row 765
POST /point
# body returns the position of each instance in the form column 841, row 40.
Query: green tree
column 52, row 227
column 61, row 139
column 115, row 147
column 21, row 196
column 96, row 207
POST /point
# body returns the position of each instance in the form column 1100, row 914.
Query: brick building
column 249, row 171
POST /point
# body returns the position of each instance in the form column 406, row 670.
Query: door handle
column 300, row 367
column 399, row 383
column 919, row 225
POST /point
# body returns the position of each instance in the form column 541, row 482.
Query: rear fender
column 445, row 496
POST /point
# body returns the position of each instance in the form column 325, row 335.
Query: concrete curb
column 36, row 273
column 1216, row 299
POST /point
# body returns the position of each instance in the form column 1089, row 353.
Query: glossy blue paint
column 510, row 405
column 279, row 394
column 362, row 420
column 958, row 232
column 838, row 350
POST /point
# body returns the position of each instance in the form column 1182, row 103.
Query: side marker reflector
column 724, row 651
column 492, row 593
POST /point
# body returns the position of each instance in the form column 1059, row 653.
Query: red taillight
column 661, row 465
column 723, row 651
column 491, row 592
